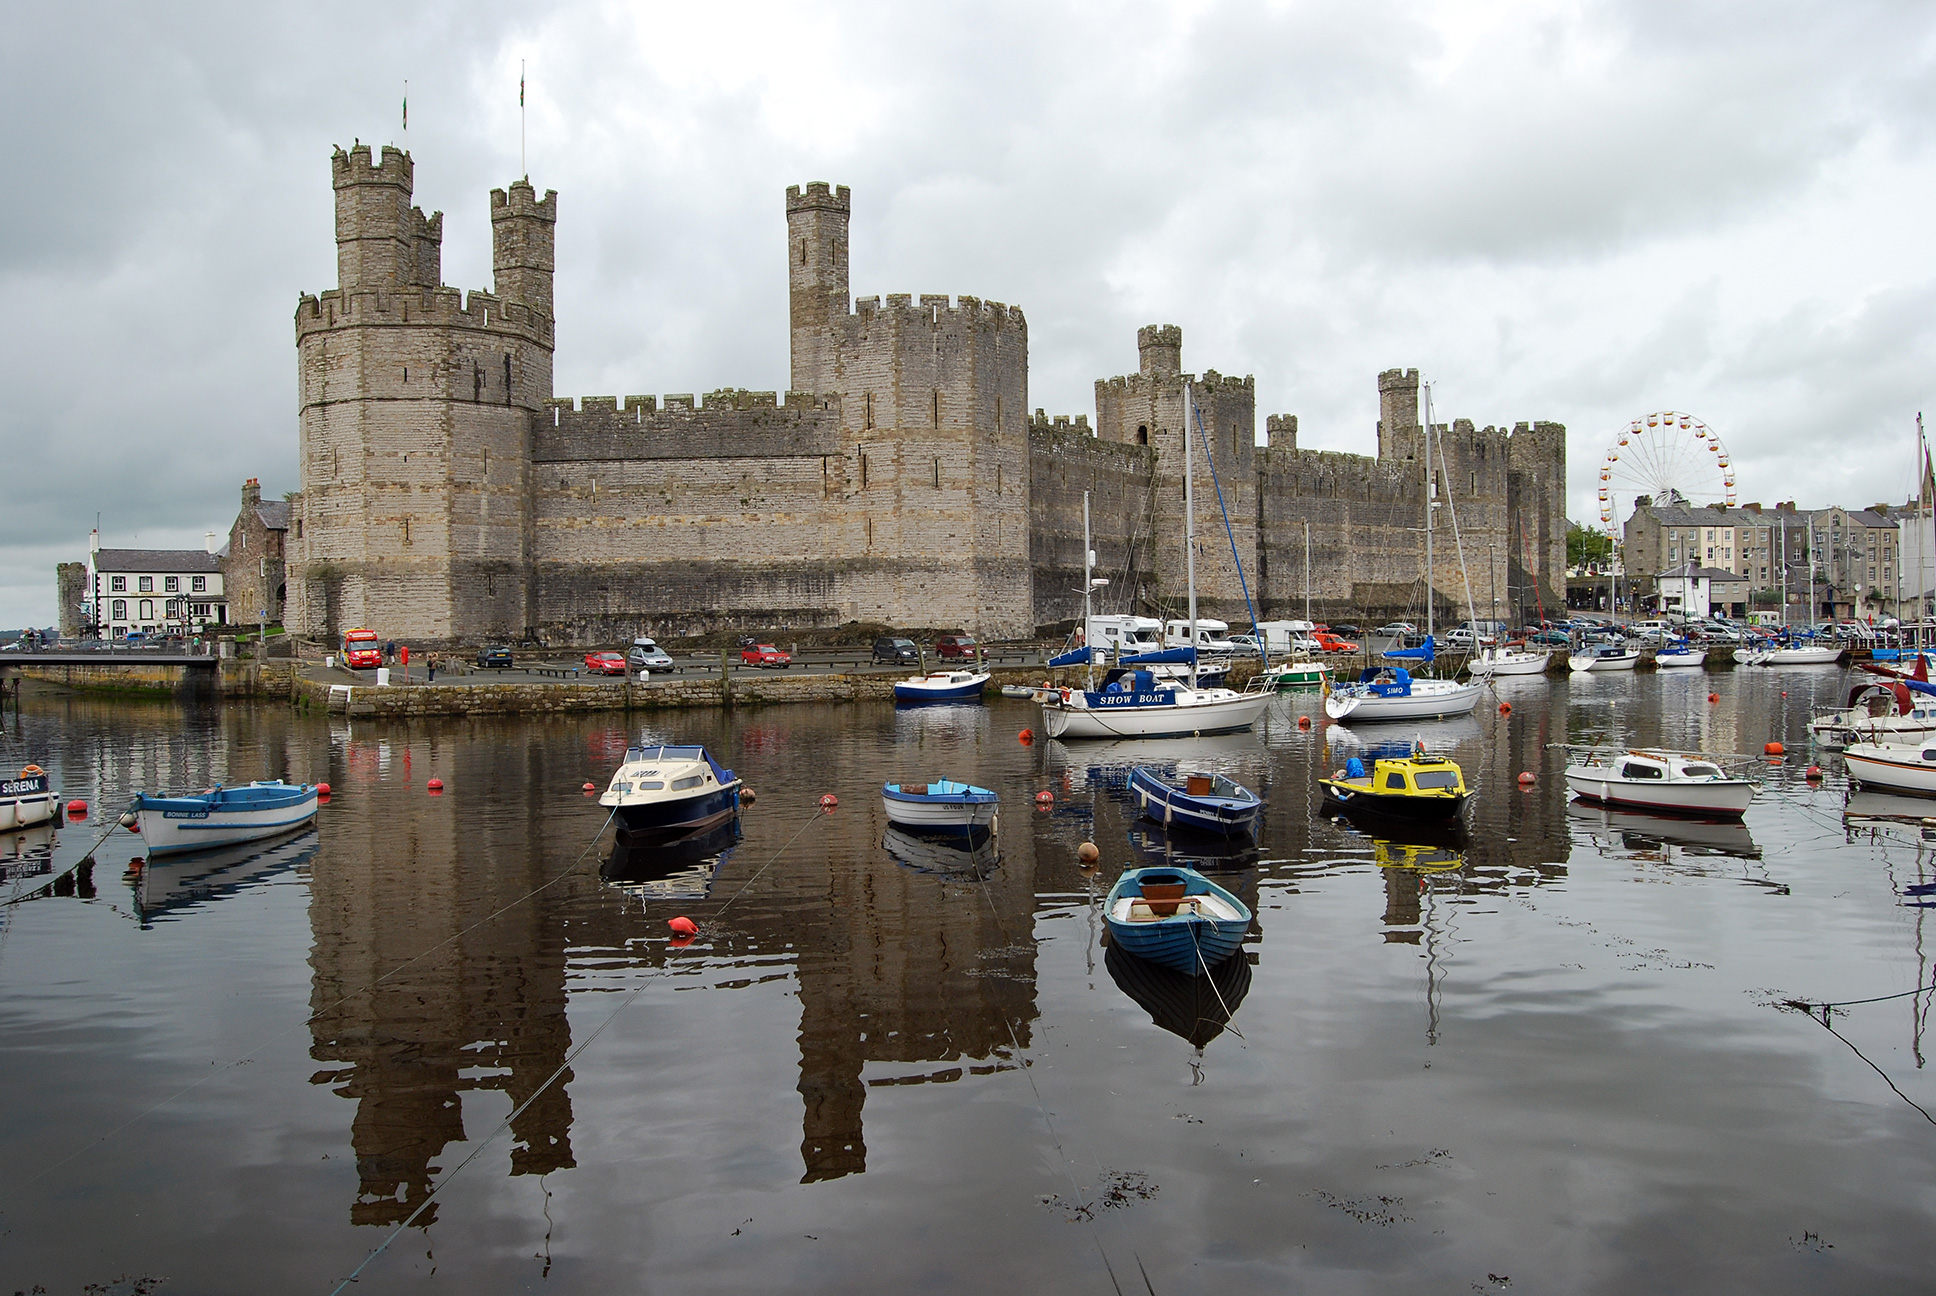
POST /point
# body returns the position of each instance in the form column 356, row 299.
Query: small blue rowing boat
column 1207, row 802
column 1176, row 917
column 944, row 807
column 941, row 686
column 222, row 816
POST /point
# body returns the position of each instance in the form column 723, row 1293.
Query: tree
column 1585, row 545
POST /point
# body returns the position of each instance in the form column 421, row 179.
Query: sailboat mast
column 1307, row 569
column 1190, row 533
column 1431, row 501
column 1088, row 567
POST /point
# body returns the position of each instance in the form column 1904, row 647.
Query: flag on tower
column 406, row 105
column 520, row 85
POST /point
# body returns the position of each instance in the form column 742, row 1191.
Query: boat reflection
column 1637, row 834
column 682, row 870
column 973, row 854
column 948, row 721
column 1379, row 737
column 1884, row 806
column 1195, row 1008
column 1107, row 764
column 1205, row 852
column 27, row 852
column 172, row 885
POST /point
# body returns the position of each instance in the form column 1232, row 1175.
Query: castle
column 448, row 496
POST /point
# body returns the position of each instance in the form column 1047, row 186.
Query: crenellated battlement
column 356, row 166
column 1041, row 422
column 727, row 424
column 427, row 307
column 521, row 199
column 934, row 308
column 818, row 196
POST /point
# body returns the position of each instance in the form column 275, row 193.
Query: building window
column 171, row 584
column 118, row 584
column 146, row 584
column 198, row 584
column 147, row 609
column 121, row 609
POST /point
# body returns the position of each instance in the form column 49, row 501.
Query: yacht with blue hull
column 664, row 795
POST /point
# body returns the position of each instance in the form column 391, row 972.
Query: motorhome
column 1212, row 636
column 1286, row 636
column 1124, row 634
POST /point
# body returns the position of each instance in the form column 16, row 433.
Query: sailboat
column 1136, row 704
column 1393, row 692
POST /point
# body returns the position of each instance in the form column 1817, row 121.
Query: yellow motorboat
column 1418, row 787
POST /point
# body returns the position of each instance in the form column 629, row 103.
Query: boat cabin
column 1407, row 775
column 1642, row 766
column 1387, row 681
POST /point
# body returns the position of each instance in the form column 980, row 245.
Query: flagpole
column 523, row 167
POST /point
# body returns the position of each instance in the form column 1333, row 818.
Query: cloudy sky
column 1571, row 211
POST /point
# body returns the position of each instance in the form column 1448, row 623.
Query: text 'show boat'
column 1892, row 767
column 1176, row 917
column 1421, row 787
column 942, row 807
column 662, row 795
column 223, row 816
column 1879, row 711
column 1679, row 653
column 1640, row 833
column 1601, row 657
column 941, row 686
column 1137, row 705
column 1659, row 781
column 1206, row 802
column 26, row 799
column 1196, row 1008
column 1394, row 693
column 1509, row 660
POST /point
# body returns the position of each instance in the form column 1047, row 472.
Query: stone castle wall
column 1065, row 460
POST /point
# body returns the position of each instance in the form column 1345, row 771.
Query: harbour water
column 1553, row 1059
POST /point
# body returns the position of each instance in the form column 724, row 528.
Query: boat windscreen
column 1435, row 779
column 1693, row 770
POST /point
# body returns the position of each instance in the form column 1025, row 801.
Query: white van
column 1287, row 636
column 1124, row 634
column 1212, row 636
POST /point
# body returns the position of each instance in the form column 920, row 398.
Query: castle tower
column 817, row 220
column 1398, row 414
column 416, row 406
column 1147, row 409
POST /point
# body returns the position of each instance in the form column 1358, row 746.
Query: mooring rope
column 652, row 974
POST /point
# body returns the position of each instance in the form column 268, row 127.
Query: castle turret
column 817, row 274
column 381, row 240
column 1159, row 350
column 523, row 243
column 1397, row 410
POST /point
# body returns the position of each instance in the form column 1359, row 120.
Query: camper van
column 1287, row 636
column 1124, row 634
column 1212, row 636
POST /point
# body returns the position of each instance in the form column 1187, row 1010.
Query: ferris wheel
column 1667, row 456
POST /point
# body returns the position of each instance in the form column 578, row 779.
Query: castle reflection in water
column 434, row 977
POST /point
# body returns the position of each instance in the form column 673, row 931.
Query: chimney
column 251, row 495
column 94, row 541
column 208, row 538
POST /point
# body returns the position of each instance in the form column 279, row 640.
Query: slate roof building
column 153, row 591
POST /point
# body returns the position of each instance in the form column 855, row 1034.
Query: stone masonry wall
column 1065, row 460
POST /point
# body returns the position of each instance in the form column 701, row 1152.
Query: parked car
column 1346, row 631
column 889, row 649
column 954, row 646
column 648, row 656
column 1328, row 642
column 1244, row 645
column 604, row 663
column 1461, row 639
column 494, row 657
column 1396, row 629
column 1550, row 638
column 764, row 655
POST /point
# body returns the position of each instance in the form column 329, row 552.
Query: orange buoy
column 683, row 926
column 134, row 867
column 1088, row 853
column 77, row 809
column 591, row 787
column 1505, row 708
column 1304, row 722
column 1714, row 697
column 435, row 785
column 1045, row 797
column 1527, row 778
column 1773, row 749
column 1813, row 773
column 1025, row 737
column 829, row 801
column 746, row 795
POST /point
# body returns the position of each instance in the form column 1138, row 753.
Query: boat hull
column 1667, row 660
column 962, row 815
column 1787, row 656
column 934, row 688
column 1510, row 663
column 1600, row 784
column 1169, row 720
column 1580, row 665
column 1299, row 675
column 1891, row 767
column 1174, row 807
column 1189, row 942
column 1420, row 704
column 1409, row 809
column 26, row 801
column 172, row 825
column 665, row 823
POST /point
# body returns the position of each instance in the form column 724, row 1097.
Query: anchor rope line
column 1042, row 1107
column 1807, row 1006
column 1228, row 1023
column 652, row 974
column 338, row 1002
column 1823, row 1022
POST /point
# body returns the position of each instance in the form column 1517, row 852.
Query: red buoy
column 1045, row 797
column 1527, row 778
column 322, row 789
column 435, row 785
column 1784, row 692
column 1025, row 737
column 1304, row 722
column 77, row 809
column 683, row 926
column 1714, row 697
column 1813, row 773
column 1772, row 749
column 829, row 801
column 591, row 787
column 1505, row 708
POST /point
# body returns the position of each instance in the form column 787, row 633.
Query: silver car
column 646, row 655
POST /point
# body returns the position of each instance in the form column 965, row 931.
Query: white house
column 1693, row 591
column 153, row 591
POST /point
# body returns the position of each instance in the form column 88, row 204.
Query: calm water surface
column 1550, row 1061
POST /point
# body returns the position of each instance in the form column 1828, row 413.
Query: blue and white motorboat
column 27, row 799
column 663, row 795
column 941, row 686
column 223, row 816
column 1607, row 655
column 1175, row 916
column 944, row 807
column 1394, row 693
column 1211, row 803
column 1135, row 704
column 1796, row 650
column 1679, row 652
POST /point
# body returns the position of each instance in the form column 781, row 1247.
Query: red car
column 605, row 663
column 954, row 646
column 764, row 655
column 1328, row 642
